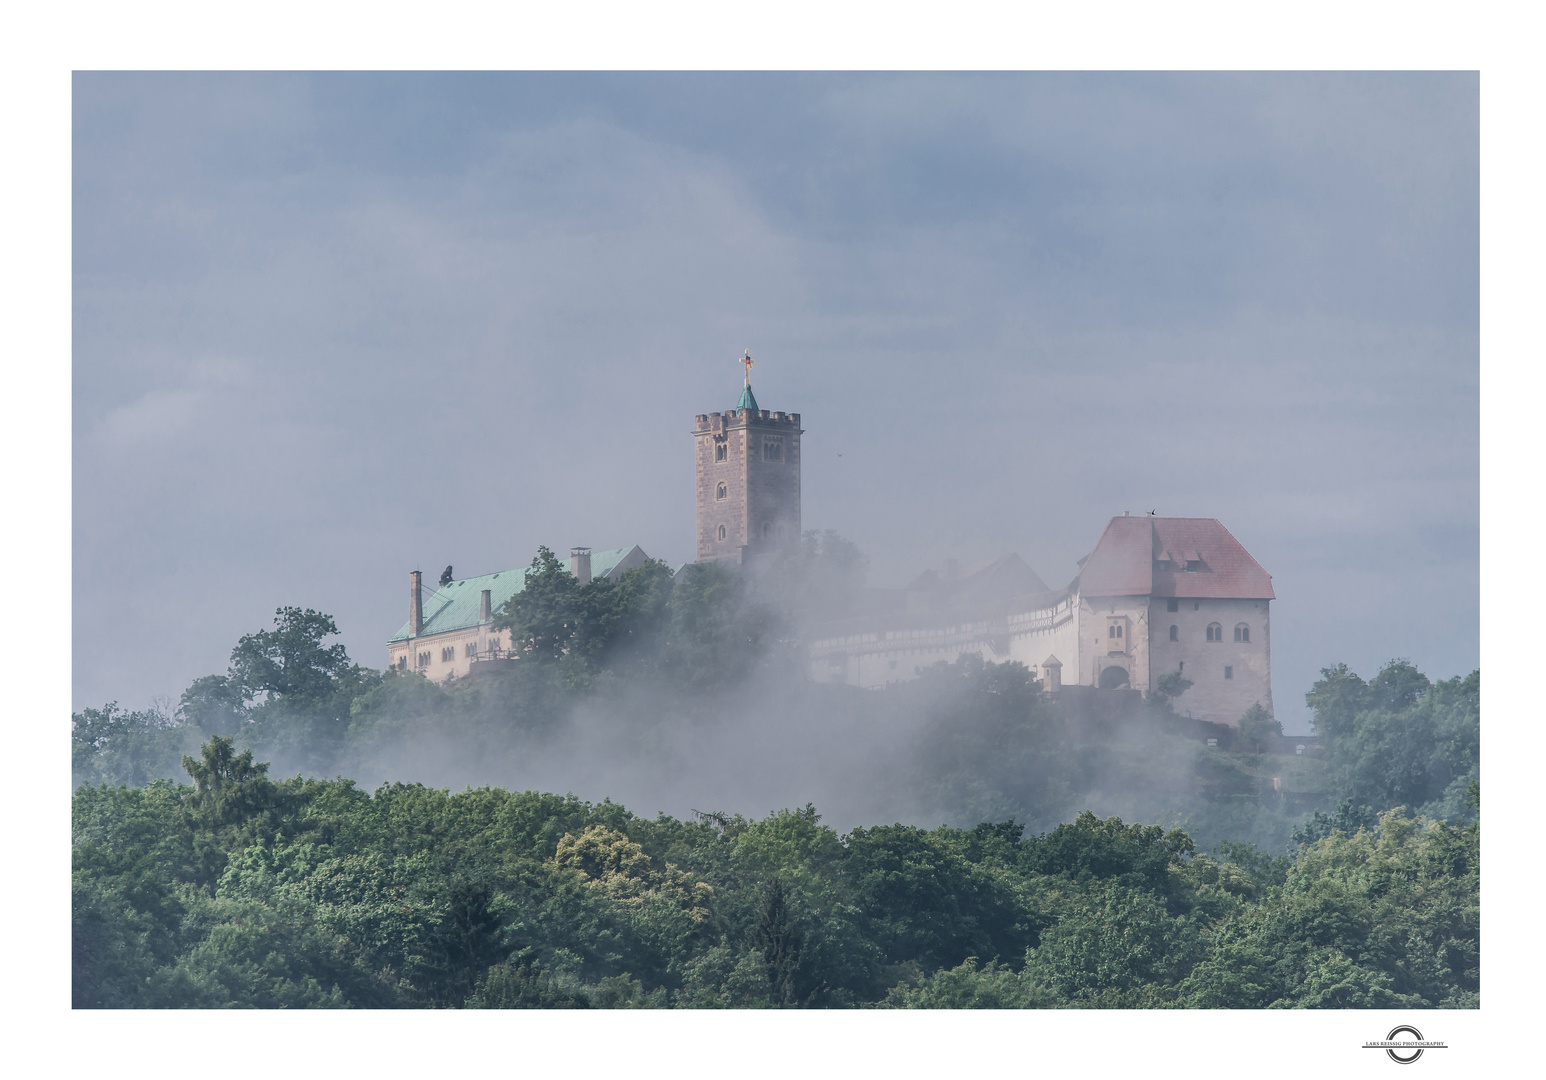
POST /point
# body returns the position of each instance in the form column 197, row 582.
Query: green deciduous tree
column 290, row 660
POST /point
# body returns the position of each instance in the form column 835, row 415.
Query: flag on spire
column 747, row 400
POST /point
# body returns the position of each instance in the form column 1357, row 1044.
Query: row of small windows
column 448, row 653
column 767, row 530
column 1215, row 632
column 772, row 450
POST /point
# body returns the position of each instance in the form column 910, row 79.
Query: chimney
column 579, row 564
column 486, row 606
column 1053, row 669
column 415, row 602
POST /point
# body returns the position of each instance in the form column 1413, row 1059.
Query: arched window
column 721, row 528
column 1242, row 632
column 721, row 452
column 1175, row 634
column 1215, row 632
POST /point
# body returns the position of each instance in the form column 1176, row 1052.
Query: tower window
column 1172, row 605
column 1215, row 632
column 1242, row 632
column 720, row 492
column 1229, row 672
column 1175, row 633
column 721, row 452
column 721, row 531
column 773, row 450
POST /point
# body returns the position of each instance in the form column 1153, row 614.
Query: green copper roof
column 455, row 605
column 747, row 400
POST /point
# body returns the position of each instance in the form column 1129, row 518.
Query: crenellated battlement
column 710, row 422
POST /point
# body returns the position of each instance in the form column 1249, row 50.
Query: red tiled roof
column 1155, row 556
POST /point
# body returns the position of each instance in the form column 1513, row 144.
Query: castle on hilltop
column 1155, row 597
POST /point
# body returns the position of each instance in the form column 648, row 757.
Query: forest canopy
column 1342, row 877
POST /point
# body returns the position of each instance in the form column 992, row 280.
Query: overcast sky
column 330, row 329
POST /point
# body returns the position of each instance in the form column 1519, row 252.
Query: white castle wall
column 1076, row 631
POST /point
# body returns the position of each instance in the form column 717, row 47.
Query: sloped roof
column 1005, row 578
column 1151, row 556
column 456, row 605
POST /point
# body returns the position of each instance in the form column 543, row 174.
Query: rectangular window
column 1172, row 605
column 773, row 450
column 1229, row 672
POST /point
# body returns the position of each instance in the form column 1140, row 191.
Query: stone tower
column 748, row 479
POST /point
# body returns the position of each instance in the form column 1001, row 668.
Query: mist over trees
column 684, row 695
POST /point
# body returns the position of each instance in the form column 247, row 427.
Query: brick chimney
column 486, row 606
column 579, row 564
column 415, row 602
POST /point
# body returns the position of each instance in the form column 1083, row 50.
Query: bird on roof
column 445, row 576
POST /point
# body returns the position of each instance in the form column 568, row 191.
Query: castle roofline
column 1172, row 557
column 457, row 604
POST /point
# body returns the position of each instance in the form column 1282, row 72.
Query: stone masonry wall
column 761, row 508
column 1212, row 696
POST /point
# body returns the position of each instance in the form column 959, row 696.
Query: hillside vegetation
column 1348, row 878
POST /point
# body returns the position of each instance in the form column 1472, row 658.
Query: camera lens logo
column 1404, row 1051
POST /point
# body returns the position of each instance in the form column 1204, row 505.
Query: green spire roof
column 747, row 400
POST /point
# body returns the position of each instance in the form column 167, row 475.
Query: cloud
column 476, row 313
